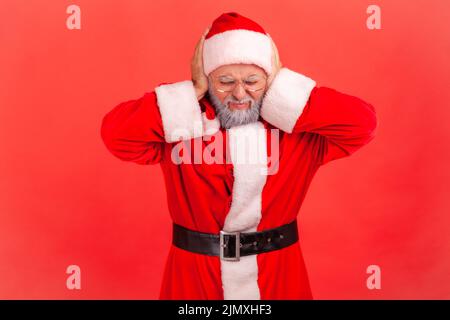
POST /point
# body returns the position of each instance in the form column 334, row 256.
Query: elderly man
column 234, row 221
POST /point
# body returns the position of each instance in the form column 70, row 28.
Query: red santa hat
column 234, row 38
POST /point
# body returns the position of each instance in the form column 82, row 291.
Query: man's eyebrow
column 253, row 76
column 226, row 78
column 230, row 78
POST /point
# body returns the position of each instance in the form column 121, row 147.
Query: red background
column 65, row 200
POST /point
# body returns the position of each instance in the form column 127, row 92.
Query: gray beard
column 229, row 118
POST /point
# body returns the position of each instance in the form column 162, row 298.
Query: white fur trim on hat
column 237, row 46
column 180, row 111
column 248, row 149
column 286, row 98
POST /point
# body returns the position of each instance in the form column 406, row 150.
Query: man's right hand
column 198, row 74
column 276, row 63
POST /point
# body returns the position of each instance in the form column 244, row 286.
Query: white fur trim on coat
column 237, row 46
column 286, row 98
column 248, row 150
column 180, row 111
column 210, row 127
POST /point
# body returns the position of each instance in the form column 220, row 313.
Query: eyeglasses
column 251, row 84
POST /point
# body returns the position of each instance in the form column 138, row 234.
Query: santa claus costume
column 314, row 126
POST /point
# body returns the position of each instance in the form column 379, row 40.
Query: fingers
column 276, row 63
column 202, row 41
column 197, row 72
column 275, row 51
column 205, row 33
column 276, row 56
column 199, row 47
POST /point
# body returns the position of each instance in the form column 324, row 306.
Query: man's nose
column 239, row 92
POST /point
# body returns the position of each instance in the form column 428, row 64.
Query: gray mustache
column 233, row 99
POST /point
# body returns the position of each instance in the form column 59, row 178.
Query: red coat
column 169, row 126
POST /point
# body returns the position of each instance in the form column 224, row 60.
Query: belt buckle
column 237, row 245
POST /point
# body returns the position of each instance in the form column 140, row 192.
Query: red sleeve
column 344, row 122
column 137, row 130
column 295, row 104
column 133, row 131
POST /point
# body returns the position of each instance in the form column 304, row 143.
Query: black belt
column 226, row 244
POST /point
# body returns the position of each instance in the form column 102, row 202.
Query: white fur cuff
column 286, row 98
column 180, row 111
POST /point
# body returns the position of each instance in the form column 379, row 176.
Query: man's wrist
column 200, row 93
